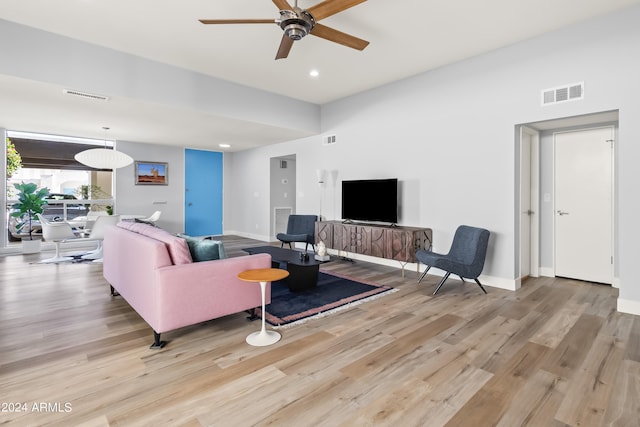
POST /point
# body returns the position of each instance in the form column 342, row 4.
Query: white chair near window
column 151, row 219
column 56, row 232
column 97, row 234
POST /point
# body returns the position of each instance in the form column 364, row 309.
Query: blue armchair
column 300, row 228
column 465, row 258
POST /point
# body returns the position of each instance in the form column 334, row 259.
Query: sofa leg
column 114, row 293
column 252, row 314
column 157, row 344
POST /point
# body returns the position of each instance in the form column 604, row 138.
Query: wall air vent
column 86, row 95
column 571, row 92
column 328, row 140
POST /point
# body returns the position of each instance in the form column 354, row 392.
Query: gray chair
column 300, row 228
column 465, row 258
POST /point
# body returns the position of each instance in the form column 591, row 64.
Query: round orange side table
column 263, row 276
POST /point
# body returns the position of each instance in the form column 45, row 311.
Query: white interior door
column 584, row 205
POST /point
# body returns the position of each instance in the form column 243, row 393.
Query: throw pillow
column 204, row 249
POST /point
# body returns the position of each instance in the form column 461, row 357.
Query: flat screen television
column 374, row 200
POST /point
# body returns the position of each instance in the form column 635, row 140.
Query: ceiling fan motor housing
column 296, row 24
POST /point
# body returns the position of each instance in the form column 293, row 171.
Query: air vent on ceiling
column 571, row 92
column 328, row 139
column 86, row 95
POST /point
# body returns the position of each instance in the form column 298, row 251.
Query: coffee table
column 303, row 274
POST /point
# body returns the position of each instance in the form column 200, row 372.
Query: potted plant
column 31, row 202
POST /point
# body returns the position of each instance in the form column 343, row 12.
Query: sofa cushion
column 204, row 249
column 177, row 247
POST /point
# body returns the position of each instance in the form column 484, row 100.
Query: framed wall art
column 151, row 173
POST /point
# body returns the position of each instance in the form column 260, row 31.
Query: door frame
column 613, row 193
column 533, row 157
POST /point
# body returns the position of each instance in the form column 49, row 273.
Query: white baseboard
column 412, row 268
column 248, row 235
column 547, row 272
column 616, row 283
column 628, row 306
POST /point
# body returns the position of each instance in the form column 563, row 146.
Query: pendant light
column 103, row 158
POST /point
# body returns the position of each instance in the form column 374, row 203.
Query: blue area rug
column 333, row 293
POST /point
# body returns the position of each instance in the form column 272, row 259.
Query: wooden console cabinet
column 396, row 243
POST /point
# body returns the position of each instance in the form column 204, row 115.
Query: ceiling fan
column 297, row 23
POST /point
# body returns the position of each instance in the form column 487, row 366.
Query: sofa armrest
column 200, row 291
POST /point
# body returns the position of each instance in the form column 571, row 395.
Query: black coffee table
column 303, row 274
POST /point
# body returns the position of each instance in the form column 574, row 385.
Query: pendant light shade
column 103, row 158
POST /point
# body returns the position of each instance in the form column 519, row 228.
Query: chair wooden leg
column 424, row 273
column 444, row 278
column 480, row 284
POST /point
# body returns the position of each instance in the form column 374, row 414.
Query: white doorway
column 529, row 264
column 282, row 192
column 583, row 204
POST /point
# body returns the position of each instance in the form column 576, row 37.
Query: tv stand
column 393, row 242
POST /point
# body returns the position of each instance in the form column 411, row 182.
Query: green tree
column 14, row 160
column 31, row 201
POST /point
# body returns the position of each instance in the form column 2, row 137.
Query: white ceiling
column 407, row 37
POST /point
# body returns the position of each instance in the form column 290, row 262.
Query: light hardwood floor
column 555, row 353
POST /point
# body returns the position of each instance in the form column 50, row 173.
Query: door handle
column 189, row 204
column 562, row 212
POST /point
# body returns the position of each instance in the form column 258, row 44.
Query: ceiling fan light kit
column 298, row 23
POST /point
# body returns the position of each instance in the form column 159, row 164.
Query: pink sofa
column 153, row 271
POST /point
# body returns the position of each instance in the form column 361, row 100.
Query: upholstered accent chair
column 300, row 228
column 465, row 257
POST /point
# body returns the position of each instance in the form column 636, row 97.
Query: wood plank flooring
column 555, row 353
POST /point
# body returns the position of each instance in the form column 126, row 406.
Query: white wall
column 146, row 199
column 448, row 135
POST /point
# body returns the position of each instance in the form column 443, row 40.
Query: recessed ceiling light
column 314, row 73
column 224, row 145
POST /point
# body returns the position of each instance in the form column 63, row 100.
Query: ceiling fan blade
column 282, row 4
column 331, row 7
column 336, row 36
column 238, row 21
column 285, row 46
